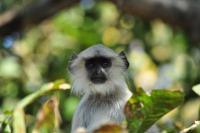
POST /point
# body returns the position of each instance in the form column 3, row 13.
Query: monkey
column 97, row 75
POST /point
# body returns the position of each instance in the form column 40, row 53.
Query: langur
column 98, row 76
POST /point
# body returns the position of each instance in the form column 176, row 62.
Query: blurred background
column 37, row 38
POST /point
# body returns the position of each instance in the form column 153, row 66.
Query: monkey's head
column 98, row 70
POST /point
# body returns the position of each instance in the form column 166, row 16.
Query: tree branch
column 34, row 13
column 177, row 13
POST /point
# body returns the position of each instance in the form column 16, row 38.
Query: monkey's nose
column 99, row 73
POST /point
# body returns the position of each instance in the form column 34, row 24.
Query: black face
column 97, row 68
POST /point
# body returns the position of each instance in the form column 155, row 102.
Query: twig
column 192, row 127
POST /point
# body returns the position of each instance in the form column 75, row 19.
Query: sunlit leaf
column 143, row 110
column 196, row 89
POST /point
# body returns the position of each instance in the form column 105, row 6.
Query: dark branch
column 178, row 13
column 32, row 14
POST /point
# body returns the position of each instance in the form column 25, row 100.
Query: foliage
column 5, row 122
column 144, row 110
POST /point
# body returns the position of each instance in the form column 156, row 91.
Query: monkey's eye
column 89, row 65
column 105, row 64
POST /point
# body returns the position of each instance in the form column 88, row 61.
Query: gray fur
column 100, row 104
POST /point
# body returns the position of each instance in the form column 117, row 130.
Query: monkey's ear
column 71, row 60
column 122, row 55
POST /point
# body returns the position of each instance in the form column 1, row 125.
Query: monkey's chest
column 98, row 113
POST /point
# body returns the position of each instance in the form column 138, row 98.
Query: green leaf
column 7, row 129
column 143, row 110
column 5, row 123
column 196, row 89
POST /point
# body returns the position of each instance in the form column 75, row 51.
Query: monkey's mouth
column 98, row 80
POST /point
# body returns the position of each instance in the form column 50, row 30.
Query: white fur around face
column 81, row 83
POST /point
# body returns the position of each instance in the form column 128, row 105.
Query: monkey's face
column 97, row 69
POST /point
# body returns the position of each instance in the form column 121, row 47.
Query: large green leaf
column 143, row 110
